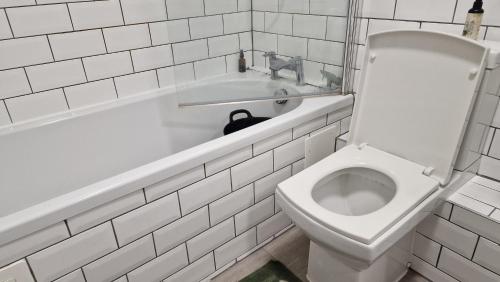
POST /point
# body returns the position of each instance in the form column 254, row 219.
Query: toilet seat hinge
column 428, row 171
column 362, row 146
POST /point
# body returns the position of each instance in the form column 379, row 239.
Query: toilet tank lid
column 416, row 92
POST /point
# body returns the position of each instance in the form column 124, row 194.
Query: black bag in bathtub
column 241, row 123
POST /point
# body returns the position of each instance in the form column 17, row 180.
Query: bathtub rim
column 45, row 214
column 252, row 75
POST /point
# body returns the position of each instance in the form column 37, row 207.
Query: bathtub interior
column 60, row 156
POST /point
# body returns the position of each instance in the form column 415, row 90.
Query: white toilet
column 359, row 205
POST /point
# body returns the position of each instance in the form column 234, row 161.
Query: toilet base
column 327, row 265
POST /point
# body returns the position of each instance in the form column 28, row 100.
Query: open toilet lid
column 416, row 94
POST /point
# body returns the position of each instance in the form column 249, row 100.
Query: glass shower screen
column 290, row 48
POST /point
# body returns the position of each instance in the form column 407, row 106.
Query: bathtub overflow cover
column 281, row 93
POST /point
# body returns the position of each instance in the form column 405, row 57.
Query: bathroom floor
column 292, row 250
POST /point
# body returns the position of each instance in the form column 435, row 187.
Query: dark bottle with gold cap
column 242, row 64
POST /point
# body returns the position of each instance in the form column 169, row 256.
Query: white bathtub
column 59, row 166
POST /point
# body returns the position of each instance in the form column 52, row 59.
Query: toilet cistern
column 359, row 205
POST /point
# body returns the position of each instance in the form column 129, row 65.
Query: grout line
column 104, row 40
column 144, row 196
column 180, row 206
column 208, row 47
column 395, row 8
column 154, row 246
column 150, row 36
column 439, row 254
column 454, row 12
column 84, row 71
column 166, row 9
column 491, row 157
column 492, row 141
column 51, row 51
column 187, row 18
column 114, row 84
column 215, row 263
column 30, row 269
column 132, row 61
column 223, row 26
column 492, row 212
column 298, row 36
column 116, row 237
column 209, row 217
column 10, row 25
column 470, row 197
column 488, row 188
column 122, row 51
column 187, row 252
column 157, row 78
column 189, row 29
column 67, row 227
column 326, row 29
column 91, row 81
column 475, row 248
column 121, row 11
column 47, row 4
column 70, row 18
column 27, row 79
column 194, row 70
column 173, row 57
column 8, row 112
column 83, row 273
column 65, row 98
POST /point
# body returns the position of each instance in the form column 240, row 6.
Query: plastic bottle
column 242, row 64
column 473, row 20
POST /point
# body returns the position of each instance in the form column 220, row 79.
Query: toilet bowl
column 359, row 205
column 354, row 191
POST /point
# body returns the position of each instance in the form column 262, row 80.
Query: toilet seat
column 412, row 187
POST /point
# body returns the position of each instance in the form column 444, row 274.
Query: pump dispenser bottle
column 473, row 20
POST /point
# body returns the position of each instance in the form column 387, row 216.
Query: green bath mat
column 273, row 271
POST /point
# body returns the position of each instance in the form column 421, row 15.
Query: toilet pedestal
column 326, row 265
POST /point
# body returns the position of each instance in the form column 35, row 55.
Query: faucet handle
column 331, row 79
column 269, row 54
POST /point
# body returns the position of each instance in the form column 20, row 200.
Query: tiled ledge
column 481, row 196
column 460, row 242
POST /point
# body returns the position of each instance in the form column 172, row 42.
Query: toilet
column 360, row 205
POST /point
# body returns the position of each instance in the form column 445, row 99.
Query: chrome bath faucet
column 294, row 64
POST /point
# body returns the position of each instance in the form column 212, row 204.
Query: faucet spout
column 295, row 64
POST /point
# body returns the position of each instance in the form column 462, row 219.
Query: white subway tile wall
column 108, row 43
column 183, row 228
column 76, row 45
column 312, row 29
column 460, row 242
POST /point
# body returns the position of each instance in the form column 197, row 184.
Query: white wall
column 55, row 57
column 312, row 29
